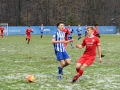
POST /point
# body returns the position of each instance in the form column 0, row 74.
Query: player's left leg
column 79, row 64
column 80, row 69
column 28, row 41
column 86, row 61
column 41, row 34
column 67, row 62
column 63, row 64
column 71, row 43
column 66, row 58
column 79, row 36
column 2, row 34
column 60, row 69
column 28, row 38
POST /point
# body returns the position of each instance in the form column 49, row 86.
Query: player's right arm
column 99, row 52
column 79, row 46
column 61, row 41
column 54, row 41
column 68, row 32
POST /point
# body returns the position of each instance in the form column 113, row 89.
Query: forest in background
column 49, row 12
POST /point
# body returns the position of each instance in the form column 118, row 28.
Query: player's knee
column 83, row 67
column 63, row 64
column 78, row 65
column 68, row 63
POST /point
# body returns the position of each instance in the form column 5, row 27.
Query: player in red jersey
column 67, row 32
column 28, row 31
column 96, row 33
column 2, row 31
column 89, row 55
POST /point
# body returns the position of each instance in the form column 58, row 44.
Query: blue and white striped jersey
column 71, row 32
column 58, row 36
column 79, row 30
column 41, row 29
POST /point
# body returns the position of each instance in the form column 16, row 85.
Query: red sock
column 80, row 72
column 28, row 41
column 77, row 69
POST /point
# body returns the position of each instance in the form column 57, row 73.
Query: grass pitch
column 18, row 60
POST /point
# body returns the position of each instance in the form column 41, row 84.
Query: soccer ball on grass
column 30, row 78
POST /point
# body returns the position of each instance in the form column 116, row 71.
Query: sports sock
column 41, row 36
column 80, row 72
column 60, row 70
column 77, row 69
column 28, row 41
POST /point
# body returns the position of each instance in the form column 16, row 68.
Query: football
column 30, row 78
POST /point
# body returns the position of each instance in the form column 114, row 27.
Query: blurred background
column 48, row 12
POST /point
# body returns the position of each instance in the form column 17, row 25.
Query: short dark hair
column 96, row 25
column 61, row 22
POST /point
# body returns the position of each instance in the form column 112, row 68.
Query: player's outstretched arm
column 71, row 40
column 54, row 41
column 79, row 46
column 99, row 52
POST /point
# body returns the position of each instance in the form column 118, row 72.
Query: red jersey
column 91, row 43
column 2, row 29
column 28, row 31
column 67, row 32
column 95, row 32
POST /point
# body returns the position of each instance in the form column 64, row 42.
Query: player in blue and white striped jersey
column 60, row 51
column 85, row 28
column 70, row 35
column 79, row 32
column 41, row 30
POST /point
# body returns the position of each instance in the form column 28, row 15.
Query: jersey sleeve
column 68, row 32
column 97, row 41
column 72, row 31
column 76, row 30
column 95, row 31
column 83, row 43
column 31, row 30
column 2, row 28
column 54, row 35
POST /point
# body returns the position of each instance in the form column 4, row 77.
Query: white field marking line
column 27, row 61
column 7, row 50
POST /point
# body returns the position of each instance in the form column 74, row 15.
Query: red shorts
column 28, row 36
column 88, row 60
